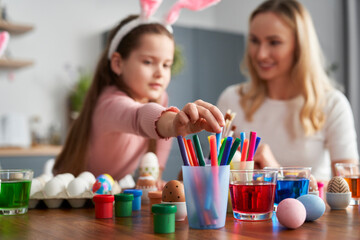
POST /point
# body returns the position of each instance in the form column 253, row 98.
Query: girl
column 290, row 101
column 125, row 106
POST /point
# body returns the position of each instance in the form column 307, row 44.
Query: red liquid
column 354, row 184
column 254, row 198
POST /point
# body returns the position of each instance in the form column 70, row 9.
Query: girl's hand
column 264, row 157
column 198, row 116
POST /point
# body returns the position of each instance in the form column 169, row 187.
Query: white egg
column 77, row 187
column 44, row 178
column 66, row 178
column 54, row 187
column 88, row 177
column 36, row 186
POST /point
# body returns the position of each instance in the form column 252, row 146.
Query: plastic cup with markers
column 206, row 186
column 206, row 192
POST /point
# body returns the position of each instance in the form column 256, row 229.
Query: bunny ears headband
column 148, row 8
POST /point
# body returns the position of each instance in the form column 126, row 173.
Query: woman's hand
column 264, row 157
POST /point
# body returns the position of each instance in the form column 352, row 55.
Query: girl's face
column 147, row 70
column 271, row 47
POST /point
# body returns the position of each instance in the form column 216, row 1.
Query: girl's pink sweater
column 121, row 129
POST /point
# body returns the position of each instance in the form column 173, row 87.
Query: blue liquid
column 291, row 189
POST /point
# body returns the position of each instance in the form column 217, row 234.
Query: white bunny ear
column 148, row 7
column 4, row 40
column 195, row 5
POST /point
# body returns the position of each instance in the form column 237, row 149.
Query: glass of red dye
column 252, row 194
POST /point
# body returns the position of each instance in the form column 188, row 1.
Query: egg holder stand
column 82, row 200
column 181, row 212
column 338, row 201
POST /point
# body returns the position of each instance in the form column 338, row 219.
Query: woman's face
column 147, row 70
column 271, row 47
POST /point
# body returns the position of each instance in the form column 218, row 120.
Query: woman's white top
column 278, row 124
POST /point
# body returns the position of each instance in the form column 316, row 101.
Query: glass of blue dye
column 292, row 182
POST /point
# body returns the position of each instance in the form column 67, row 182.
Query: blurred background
column 55, row 45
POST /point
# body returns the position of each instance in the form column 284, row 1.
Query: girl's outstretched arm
column 194, row 117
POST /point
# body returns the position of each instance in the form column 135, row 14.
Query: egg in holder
column 338, row 193
column 173, row 193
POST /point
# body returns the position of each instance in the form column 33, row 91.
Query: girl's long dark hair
column 73, row 157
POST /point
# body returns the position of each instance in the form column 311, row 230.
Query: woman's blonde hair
column 72, row 159
column 308, row 72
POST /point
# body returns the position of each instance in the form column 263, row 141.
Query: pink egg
column 291, row 213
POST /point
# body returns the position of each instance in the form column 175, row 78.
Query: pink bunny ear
column 148, row 7
column 195, row 5
column 4, row 40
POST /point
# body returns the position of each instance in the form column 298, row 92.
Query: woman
column 289, row 101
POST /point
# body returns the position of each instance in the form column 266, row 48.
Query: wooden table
column 67, row 223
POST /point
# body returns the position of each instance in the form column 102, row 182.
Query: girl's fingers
column 191, row 111
column 201, row 115
column 214, row 111
column 210, row 119
column 203, row 125
column 183, row 118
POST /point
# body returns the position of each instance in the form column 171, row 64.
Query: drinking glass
column 292, row 182
column 15, row 191
column 252, row 194
column 351, row 173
